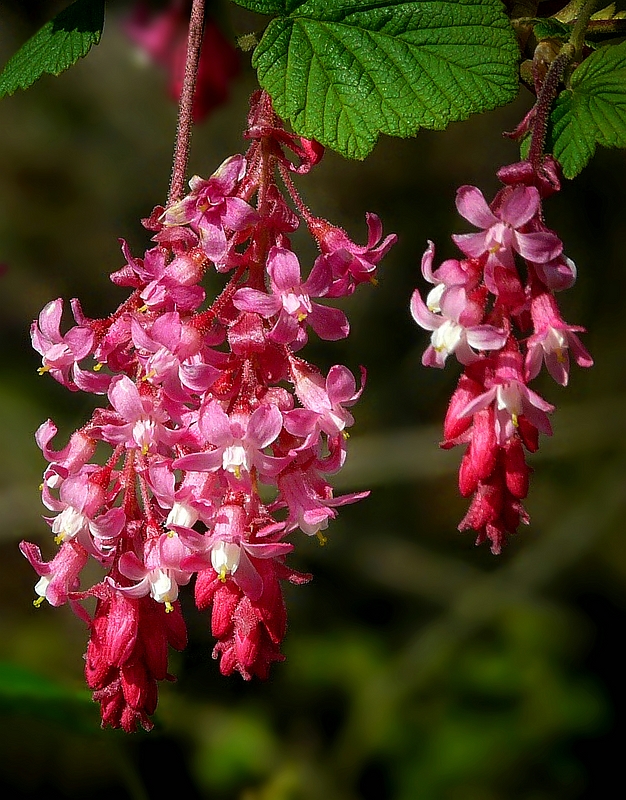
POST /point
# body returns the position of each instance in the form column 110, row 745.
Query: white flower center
column 143, row 433
column 445, row 339
column 433, row 298
column 162, row 588
column 225, row 558
column 69, row 524
column 235, row 458
column 183, row 515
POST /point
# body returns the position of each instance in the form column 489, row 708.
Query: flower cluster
column 496, row 310
column 217, row 439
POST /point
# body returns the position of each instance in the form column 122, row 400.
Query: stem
column 543, row 105
column 185, row 107
column 571, row 51
column 577, row 39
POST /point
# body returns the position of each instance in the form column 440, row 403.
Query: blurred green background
column 418, row 666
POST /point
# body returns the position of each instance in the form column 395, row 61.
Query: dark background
column 418, row 666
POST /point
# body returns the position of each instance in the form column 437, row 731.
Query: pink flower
column 140, row 421
column 59, row 577
column 351, row 263
column 291, row 299
column 514, row 209
column 238, row 442
column 552, row 341
column 511, row 399
column 212, row 207
column 59, row 353
column 325, row 401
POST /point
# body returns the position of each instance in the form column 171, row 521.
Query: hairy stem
column 570, row 52
column 185, row 108
column 577, row 39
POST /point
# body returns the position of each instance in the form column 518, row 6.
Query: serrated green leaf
column 592, row 111
column 551, row 29
column 56, row 46
column 345, row 72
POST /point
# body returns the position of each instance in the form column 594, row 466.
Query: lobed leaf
column 591, row 111
column 347, row 71
column 56, row 46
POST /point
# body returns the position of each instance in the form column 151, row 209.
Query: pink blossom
column 291, row 299
column 140, row 421
column 238, row 442
column 456, row 328
column 176, row 357
column 512, row 399
column 325, row 401
column 514, row 208
column 59, row 353
column 59, row 577
column 552, row 341
column 212, row 207
column 351, row 263
column 231, row 550
column 81, row 497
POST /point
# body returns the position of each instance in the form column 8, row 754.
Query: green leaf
column 551, row 29
column 592, row 111
column 56, row 46
column 344, row 72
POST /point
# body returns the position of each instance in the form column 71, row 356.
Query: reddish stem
column 185, row 108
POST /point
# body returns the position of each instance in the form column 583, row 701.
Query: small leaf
column 56, row 46
column 551, row 29
column 344, row 72
column 592, row 111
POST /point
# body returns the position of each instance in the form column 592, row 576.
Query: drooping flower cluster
column 496, row 310
column 220, row 438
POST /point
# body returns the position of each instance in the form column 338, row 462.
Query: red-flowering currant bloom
column 206, row 412
column 496, row 310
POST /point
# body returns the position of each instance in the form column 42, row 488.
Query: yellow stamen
column 41, row 487
column 345, row 434
column 98, row 367
column 301, row 317
column 168, row 607
column 143, row 309
column 237, row 472
column 374, row 281
column 149, row 375
column 321, row 538
column 144, row 449
column 515, row 420
column 38, row 601
column 560, row 355
column 60, row 537
column 222, row 574
column 171, row 534
column 43, row 370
